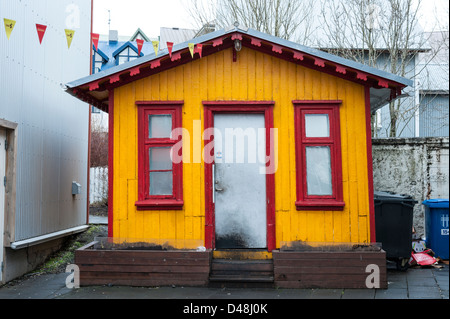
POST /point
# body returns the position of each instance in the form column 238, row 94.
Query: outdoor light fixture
column 237, row 45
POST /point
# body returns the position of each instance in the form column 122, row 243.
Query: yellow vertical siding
column 255, row 76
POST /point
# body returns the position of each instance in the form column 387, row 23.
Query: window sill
column 159, row 204
column 319, row 205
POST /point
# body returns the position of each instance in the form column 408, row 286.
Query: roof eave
column 315, row 58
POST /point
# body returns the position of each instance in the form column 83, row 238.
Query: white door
column 239, row 185
column 2, row 194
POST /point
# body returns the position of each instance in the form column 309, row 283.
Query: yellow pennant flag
column 9, row 26
column 69, row 36
column 156, row 47
column 191, row 48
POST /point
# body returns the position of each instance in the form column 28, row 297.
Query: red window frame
column 145, row 200
column 318, row 202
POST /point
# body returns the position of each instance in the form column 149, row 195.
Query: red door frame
column 245, row 107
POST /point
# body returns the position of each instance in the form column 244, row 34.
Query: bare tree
column 380, row 33
column 99, row 144
column 350, row 29
column 287, row 19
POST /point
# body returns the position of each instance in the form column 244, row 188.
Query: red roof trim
column 256, row 42
column 277, row 48
column 299, row 56
column 218, row 41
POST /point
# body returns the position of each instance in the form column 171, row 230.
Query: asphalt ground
column 417, row 283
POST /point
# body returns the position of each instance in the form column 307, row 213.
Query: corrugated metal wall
column 434, row 115
column 52, row 131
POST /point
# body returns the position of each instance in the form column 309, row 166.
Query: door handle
column 217, row 189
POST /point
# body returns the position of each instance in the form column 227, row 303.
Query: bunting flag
column 156, row 46
column 69, row 36
column 41, row 31
column 140, row 43
column 95, row 37
column 191, row 48
column 9, row 26
column 199, row 49
column 170, row 47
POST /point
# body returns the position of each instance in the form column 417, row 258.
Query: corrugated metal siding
column 52, row 145
column 434, row 77
column 175, row 35
column 434, row 115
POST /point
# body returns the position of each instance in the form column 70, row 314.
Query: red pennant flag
column 140, row 43
column 41, row 31
column 95, row 37
column 199, row 49
column 169, row 47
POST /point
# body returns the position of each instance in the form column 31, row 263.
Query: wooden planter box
column 327, row 269
column 142, row 267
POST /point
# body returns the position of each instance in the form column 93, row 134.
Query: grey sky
column 150, row 15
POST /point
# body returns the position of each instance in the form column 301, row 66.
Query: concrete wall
column 415, row 166
column 24, row 260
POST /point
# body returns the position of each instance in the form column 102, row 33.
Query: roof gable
column 141, row 33
column 101, row 53
column 124, row 46
column 94, row 89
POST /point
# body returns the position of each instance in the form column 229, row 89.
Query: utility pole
column 109, row 20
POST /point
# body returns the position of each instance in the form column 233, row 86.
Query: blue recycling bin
column 436, row 226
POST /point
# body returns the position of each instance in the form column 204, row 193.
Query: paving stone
column 392, row 293
column 327, row 293
column 359, row 294
column 424, row 293
column 397, row 281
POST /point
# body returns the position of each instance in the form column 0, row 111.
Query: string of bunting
column 193, row 48
column 41, row 29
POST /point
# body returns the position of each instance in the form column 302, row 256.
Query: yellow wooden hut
column 240, row 140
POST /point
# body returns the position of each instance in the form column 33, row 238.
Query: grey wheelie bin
column 393, row 225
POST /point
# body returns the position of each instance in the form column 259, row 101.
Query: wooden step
column 242, row 254
column 241, row 273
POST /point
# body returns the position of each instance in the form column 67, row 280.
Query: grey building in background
column 44, row 133
column 433, row 88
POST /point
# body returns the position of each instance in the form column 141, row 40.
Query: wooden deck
column 286, row 269
column 294, row 269
column 142, row 267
